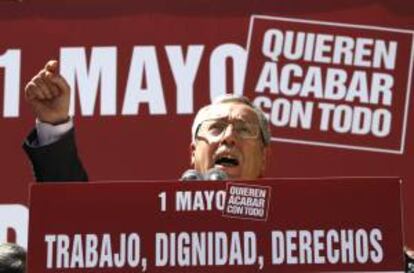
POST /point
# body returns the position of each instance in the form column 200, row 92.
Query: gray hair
column 12, row 258
column 263, row 123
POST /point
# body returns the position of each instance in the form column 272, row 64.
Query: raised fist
column 49, row 94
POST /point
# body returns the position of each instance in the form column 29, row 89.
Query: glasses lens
column 246, row 129
column 213, row 127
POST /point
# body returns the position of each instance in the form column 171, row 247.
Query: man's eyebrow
column 219, row 118
column 237, row 119
column 245, row 119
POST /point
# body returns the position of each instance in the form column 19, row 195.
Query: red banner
column 140, row 70
column 336, row 225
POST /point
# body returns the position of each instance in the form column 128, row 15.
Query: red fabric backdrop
column 154, row 145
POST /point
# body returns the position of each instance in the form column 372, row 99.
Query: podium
column 269, row 225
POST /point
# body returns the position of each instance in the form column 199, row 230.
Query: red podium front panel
column 283, row 225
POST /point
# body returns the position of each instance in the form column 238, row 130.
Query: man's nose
column 229, row 135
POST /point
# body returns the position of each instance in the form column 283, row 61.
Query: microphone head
column 216, row 175
column 191, row 175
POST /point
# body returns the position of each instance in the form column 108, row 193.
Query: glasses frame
column 228, row 123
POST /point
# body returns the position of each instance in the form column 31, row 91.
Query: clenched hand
column 49, row 94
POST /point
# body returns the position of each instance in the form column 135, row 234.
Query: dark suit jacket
column 58, row 161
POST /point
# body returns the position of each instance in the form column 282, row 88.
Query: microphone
column 191, row 175
column 215, row 175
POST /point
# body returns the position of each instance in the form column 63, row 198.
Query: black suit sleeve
column 58, row 161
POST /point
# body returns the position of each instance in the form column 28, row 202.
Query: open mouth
column 227, row 161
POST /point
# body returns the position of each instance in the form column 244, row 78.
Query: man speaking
column 230, row 135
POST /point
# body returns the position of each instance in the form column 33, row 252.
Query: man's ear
column 191, row 149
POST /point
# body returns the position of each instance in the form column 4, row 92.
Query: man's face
column 238, row 156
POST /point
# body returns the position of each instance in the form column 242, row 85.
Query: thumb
column 52, row 66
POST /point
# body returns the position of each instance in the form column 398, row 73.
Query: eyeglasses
column 213, row 129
